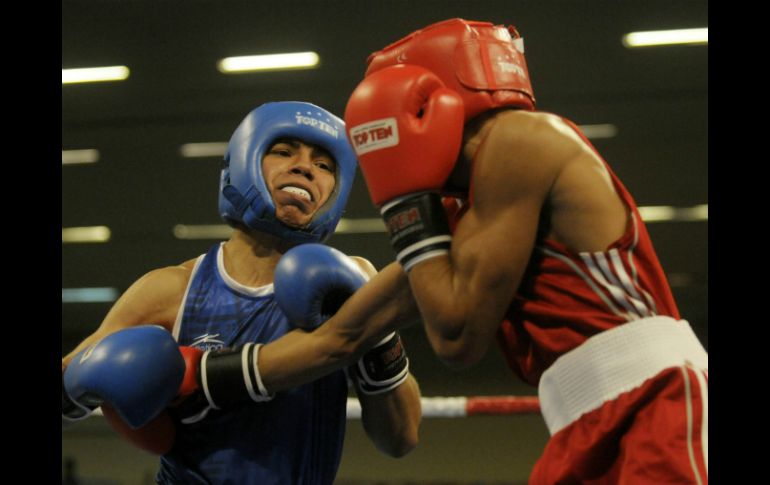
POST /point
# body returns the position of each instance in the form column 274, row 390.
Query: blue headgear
column 243, row 194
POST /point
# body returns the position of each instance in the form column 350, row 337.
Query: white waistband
column 614, row 362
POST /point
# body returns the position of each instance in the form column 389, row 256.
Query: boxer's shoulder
column 365, row 265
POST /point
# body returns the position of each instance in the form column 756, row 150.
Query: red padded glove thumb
column 192, row 359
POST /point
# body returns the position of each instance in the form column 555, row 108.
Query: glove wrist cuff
column 384, row 367
column 418, row 228
column 232, row 375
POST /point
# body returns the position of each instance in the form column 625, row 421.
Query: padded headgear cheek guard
column 243, row 194
column 482, row 62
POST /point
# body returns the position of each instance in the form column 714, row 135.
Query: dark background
column 141, row 187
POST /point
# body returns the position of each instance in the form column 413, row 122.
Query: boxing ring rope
column 463, row 406
column 458, row 406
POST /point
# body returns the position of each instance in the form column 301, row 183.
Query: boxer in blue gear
column 287, row 174
column 244, row 195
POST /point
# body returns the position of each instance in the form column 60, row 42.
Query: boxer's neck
column 250, row 257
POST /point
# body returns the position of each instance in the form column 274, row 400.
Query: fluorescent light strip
column 599, row 131
column 376, row 225
column 270, row 62
column 73, row 157
column 666, row 37
column 219, row 148
column 190, row 231
column 88, row 295
column 195, row 150
column 648, row 213
column 223, row 231
column 94, row 74
column 360, row 226
column 678, row 214
column 92, row 234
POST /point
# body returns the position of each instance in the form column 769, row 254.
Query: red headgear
column 482, row 62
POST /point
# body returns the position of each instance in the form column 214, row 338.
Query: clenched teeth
column 298, row 191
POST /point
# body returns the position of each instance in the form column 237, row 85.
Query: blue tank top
column 296, row 438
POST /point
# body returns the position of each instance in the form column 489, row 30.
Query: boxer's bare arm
column 391, row 419
column 152, row 299
column 384, row 304
column 381, row 306
column 463, row 296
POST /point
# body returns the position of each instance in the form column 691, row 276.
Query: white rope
column 457, row 406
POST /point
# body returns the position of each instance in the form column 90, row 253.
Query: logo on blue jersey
column 207, row 342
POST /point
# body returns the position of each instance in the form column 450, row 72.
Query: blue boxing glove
column 312, row 281
column 138, row 371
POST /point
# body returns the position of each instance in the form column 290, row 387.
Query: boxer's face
column 300, row 178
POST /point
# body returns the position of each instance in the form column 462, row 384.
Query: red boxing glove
column 156, row 437
column 192, row 360
column 406, row 128
column 190, row 405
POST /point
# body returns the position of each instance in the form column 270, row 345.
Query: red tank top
column 565, row 297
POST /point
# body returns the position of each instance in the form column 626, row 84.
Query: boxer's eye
column 281, row 152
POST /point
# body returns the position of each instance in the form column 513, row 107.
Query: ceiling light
column 92, row 234
column 94, row 74
column 376, row 225
column 88, row 295
column 660, row 213
column 270, row 62
column 191, row 231
column 195, row 150
column 72, row 157
column 599, row 131
column 666, row 37
column 357, row 226
column 223, row 231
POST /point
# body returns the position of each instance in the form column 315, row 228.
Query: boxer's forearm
column 381, row 306
column 392, row 419
column 461, row 305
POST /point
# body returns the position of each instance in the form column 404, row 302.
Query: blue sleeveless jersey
column 296, row 438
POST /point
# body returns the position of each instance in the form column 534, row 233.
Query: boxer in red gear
column 545, row 253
